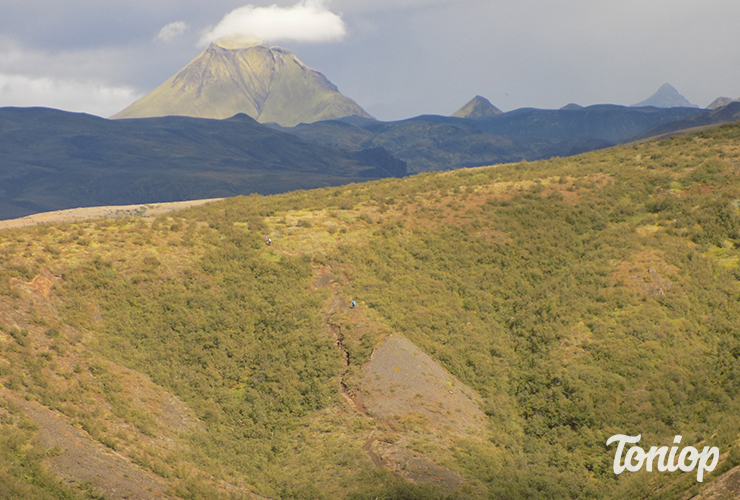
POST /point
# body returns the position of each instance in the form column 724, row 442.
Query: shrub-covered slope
column 569, row 300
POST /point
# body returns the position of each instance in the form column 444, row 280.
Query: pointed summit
column 571, row 106
column 666, row 97
column 231, row 76
column 721, row 102
column 477, row 107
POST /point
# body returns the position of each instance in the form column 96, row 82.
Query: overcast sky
column 396, row 58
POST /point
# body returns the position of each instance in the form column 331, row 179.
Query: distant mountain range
column 270, row 84
column 232, row 76
column 53, row 160
column 725, row 114
column 432, row 142
column 311, row 136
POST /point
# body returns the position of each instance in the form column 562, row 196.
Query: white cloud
column 172, row 30
column 306, row 21
column 91, row 97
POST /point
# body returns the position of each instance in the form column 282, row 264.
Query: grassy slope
column 579, row 297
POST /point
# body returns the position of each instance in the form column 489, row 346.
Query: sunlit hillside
column 508, row 321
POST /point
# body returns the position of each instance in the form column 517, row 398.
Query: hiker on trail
column 268, row 241
column 354, row 304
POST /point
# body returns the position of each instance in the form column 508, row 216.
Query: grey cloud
column 83, row 96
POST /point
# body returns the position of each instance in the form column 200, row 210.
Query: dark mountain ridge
column 54, row 160
column 725, row 114
column 433, row 142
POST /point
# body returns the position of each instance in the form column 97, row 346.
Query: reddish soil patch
column 76, row 456
column 645, row 272
column 41, row 285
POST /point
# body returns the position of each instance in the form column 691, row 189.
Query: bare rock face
column 422, row 406
column 726, row 487
column 400, row 380
column 270, row 84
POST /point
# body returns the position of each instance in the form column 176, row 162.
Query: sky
column 396, row 58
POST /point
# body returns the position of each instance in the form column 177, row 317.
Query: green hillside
column 509, row 320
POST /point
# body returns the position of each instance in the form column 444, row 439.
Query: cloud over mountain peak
column 306, row 21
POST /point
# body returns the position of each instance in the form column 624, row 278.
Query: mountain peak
column 236, row 42
column 666, row 97
column 477, row 107
column 571, row 106
column 243, row 75
column 721, row 102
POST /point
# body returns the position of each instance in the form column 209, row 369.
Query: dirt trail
column 325, row 279
column 336, row 303
column 332, row 306
column 368, row 449
column 387, row 445
column 399, row 378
